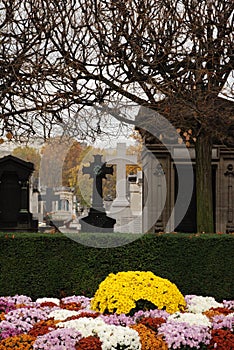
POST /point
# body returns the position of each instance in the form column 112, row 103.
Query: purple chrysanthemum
column 118, row 320
column 24, row 318
column 20, row 299
column 150, row 313
column 6, row 305
column 178, row 334
column 58, row 339
column 229, row 304
column 223, row 322
column 84, row 301
column 7, row 329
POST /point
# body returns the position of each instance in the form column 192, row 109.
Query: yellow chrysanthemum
column 120, row 292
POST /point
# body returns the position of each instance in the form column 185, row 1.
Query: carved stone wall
column 225, row 191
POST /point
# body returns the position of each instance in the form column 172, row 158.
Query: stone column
column 230, row 217
column 24, row 196
column 121, row 159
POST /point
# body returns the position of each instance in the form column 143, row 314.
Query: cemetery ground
column 161, row 291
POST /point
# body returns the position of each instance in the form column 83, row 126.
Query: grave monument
column 14, row 195
column 97, row 220
column 121, row 159
column 48, row 198
column 56, row 204
column 120, row 208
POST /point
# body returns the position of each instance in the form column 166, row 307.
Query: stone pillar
column 225, row 190
column 156, row 188
column 24, row 196
column 121, row 159
column 230, row 198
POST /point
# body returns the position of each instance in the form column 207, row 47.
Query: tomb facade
column 160, row 168
column 15, row 212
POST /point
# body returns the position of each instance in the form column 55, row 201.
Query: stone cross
column 49, row 197
column 121, row 159
column 98, row 171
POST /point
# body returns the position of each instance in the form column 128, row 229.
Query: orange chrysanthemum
column 152, row 323
column 19, row 342
column 82, row 314
column 89, row 343
column 217, row 311
column 149, row 338
column 42, row 327
column 70, row 306
column 222, row 339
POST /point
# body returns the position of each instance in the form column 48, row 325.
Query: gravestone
column 120, row 208
column 97, row 220
column 48, row 198
column 121, row 159
column 135, row 199
column 34, row 200
column 14, row 195
column 64, row 205
column 135, row 193
column 56, row 206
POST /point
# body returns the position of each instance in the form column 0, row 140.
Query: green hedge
column 39, row 265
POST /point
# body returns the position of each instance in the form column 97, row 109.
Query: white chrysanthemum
column 190, row 318
column 87, row 326
column 62, row 314
column 119, row 336
column 48, row 300
column 111, row 336
column 200, row 304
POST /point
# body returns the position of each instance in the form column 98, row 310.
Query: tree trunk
column 205, row 221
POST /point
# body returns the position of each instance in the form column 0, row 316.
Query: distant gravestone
column 97, row 220
column 121, row 159
column 48, row 198
column 14, row 195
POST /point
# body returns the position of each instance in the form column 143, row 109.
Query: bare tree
column 33, row 78
column 175, row 57
column 23, row 47
column 42, row 87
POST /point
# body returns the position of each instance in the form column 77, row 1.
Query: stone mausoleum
column 15, row 212
column 160, row 165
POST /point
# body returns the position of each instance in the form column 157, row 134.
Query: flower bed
column 74, row 323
